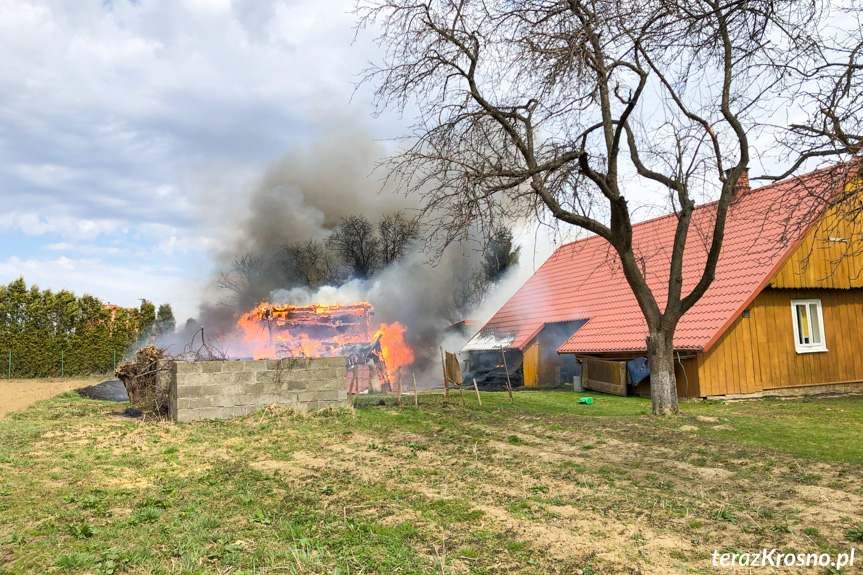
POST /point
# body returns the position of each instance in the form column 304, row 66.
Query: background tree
column 832, row 128
column 314, row 264
column 500, row 254
column 245, row 272
column 165, row 322
column 44, row 329
column 146, row 319
column 560, row 110
column 473, row 279
column 396, row 233
column 357, row 245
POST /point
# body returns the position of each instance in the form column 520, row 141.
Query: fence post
column 115, row 361
column 10, row 364
column 62, row 362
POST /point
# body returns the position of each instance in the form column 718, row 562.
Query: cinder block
column 255, row 365
column 222, row 379
column 186, row 367
column 320, row 364
column 297, row 385
column 328, row 395
column 212, row 366
column 233, row 390
column 241, row 377
column 196, row 403
column 239, row 411
column 306, row 396
column 295, row 363
column 233, row 366
column 187, row 391
column 331, row 380
column 194, row 379
column 266, row 377
column 205, row 413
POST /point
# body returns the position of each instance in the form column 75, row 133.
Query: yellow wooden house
column 784, row 314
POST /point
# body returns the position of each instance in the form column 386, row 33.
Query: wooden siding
column 826, row 258
column 757, row 353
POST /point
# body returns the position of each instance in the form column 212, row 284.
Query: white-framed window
column 808, row 325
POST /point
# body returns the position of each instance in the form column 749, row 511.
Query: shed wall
column 222, row 389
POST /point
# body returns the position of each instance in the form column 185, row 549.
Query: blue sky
column 130, row 132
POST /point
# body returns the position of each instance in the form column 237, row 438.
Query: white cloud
column 32, row 224
column 128, row 126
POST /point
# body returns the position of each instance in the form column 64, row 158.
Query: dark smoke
column 304, row 196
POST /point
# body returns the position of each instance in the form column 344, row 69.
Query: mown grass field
column 544, row 486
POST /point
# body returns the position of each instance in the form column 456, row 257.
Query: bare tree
column 358, row 246
column 561, row 110
column 244, row 273
column 396, row 233
column 826, row 102
column 314, row 264
column 832, row 86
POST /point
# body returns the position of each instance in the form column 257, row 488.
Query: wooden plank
column 719, row 359
column 733, row 359
column 710, row 380
column 751, row 355
column 856, row 334
column 837, row 317
column 712, row 385
column 531, row 365
column 703, row 375
column 744, row 357
column 779, row 357
column 760, row 340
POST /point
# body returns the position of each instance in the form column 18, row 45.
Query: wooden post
column 508, row 383
column 399, row 397
column 416, row 396
column 443, row 368
column 461, row 393
column 477, row 392
column 355, row 385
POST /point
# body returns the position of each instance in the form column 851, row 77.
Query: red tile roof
column 584, row 279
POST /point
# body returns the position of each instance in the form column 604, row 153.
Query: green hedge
column 49, row 333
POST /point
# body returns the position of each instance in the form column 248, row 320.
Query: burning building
column 375, row 353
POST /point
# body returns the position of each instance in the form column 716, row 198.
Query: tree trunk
column 663, row 384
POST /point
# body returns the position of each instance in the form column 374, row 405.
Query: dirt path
column 16, row 394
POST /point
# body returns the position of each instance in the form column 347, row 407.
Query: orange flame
column 396, row 352
column 319, row 330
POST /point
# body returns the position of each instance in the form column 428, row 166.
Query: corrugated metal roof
column 584, row 279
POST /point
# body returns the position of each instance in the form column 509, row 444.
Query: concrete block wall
column 221, row 389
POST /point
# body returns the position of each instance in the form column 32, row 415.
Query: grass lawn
column 543, row 486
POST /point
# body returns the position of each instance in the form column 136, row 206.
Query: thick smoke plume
column 304, row 197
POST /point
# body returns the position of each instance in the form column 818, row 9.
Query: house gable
column 830, row 256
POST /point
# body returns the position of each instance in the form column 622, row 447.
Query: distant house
column 783, row 315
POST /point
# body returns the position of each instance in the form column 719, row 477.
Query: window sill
column 812, row 349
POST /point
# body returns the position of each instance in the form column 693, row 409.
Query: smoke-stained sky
column 133, row 132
